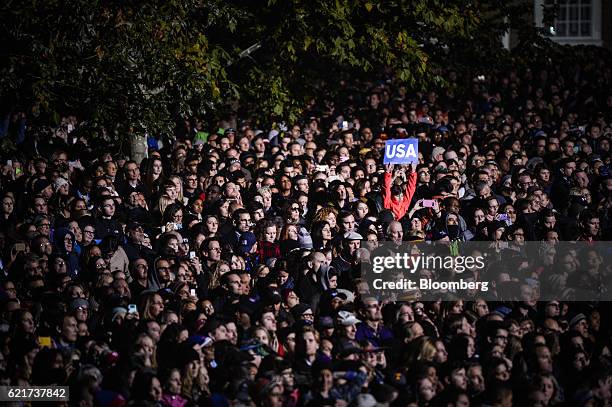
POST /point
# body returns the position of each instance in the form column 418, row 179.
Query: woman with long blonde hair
column 178, row 183
column 144, row 347
column 151, row 306
column 422, row 349
column 221, row 268
column 163, row 202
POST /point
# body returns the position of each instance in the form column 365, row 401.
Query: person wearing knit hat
column 325, row 323
column 61, row 184
column 365, row 400
column 79, row 303
column 305, row 239
column 246, row 242
column 118, row 313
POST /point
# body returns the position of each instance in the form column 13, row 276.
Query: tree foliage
column 117, row 64
column 138, row 65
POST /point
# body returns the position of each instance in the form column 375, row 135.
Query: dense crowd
column 221, row 265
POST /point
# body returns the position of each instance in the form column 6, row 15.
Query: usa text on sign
column 401, row 151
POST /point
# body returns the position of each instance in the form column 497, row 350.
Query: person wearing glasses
column 372, row 328
column 65, row 247
column 89, row 234
column 191, row 187
column 241, row 223
column 43, row 225
column 134, row 247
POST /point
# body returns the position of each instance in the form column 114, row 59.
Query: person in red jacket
column 396, row 198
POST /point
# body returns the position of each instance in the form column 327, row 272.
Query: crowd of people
column 222, row 266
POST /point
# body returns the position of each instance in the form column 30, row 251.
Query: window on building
column 576, row 21
column 574, row 18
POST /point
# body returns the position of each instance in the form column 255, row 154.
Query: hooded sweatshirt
column 456, row 232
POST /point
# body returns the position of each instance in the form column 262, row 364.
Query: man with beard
column 345, row 261
column 372, row 328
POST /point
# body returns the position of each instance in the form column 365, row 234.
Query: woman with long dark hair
column 154, row 176
column 210, row 225
column 173, row 215
column 146, row 389
column 321, row 234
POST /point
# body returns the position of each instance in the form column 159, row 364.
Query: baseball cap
column 246, row 242
column 232, row 161
column 352, row 236
column 346, row 295
column 79, row 302
column 325, row 322
column 299, row 309
column 133, row 225
column 348, row 347
column 346, row 318
column 576, row 319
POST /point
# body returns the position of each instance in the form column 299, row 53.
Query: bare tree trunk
column 138, row 147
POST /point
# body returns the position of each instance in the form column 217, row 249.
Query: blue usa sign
column 401, row 151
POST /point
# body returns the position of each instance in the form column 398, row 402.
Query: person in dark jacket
column 65, row 244
column 106, row 224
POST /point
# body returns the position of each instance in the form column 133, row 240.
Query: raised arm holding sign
column 397, row 198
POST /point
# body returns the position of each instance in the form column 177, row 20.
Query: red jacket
column 399, row 208
column 265, row 250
